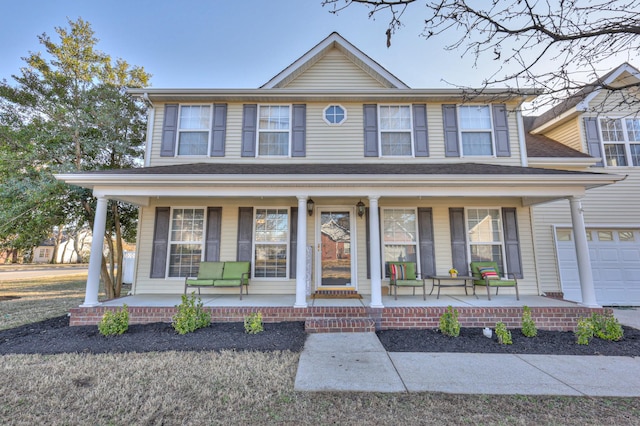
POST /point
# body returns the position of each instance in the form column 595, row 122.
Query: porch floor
column 288, row 300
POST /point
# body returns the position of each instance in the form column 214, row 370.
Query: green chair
column 403, row 274
column 488, row 274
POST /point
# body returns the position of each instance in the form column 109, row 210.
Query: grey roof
column 545, row 147
column 333, row 169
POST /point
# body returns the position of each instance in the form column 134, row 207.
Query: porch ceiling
column 532, row 185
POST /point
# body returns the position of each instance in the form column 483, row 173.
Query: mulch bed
column 54, row 336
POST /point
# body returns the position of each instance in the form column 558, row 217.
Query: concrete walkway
column 358, row 362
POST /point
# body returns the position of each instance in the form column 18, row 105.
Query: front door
column 334, row 248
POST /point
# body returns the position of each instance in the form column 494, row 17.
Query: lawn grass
column 234, row 388
column 40, row 298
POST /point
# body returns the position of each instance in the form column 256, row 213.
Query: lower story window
column 484, row 227
column 399, row 236
column 271, row 243
column 185, row 241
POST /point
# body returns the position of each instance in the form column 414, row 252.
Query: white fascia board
column 584, row 104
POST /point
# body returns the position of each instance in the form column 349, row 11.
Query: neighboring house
column 67, row 251
column 606, row 125
column 262, row 174
column 44, row 252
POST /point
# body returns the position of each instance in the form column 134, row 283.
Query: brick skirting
column 346, row 319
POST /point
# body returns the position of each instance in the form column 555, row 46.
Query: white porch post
column 301, row 254
column 582, row 253
column 95, row 259
column 374, row 254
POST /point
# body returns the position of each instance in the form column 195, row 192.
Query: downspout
column 524, row 160
column 150, row 121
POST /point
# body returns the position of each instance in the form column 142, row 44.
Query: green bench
column 220, row 274
column 488, row 274
column 403, row 274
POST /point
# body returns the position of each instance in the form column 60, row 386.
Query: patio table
column 449, row 281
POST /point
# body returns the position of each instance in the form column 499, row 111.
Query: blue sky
column 231, row 43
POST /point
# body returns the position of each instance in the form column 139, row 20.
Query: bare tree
column 559, row 46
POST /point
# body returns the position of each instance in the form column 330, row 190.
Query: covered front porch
column 353, row 314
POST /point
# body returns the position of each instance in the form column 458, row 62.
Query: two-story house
column 329, row 171
column 605, row 124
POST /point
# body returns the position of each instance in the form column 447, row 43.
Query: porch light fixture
column 360, row 208
column 310, row 206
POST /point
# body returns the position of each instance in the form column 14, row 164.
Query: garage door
column 615, row 261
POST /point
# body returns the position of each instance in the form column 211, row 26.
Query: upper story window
column 334, row 114
column 395, row 130
column 621, row 140
column 274, row 130
column 475, row 129
column 193, row 129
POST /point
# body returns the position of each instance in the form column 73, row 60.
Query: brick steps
column 339, row 325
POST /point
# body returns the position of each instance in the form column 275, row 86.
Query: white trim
column 324, row 114
column 258, row 131
column 490, row 131
column 170, row 242
column 179, row 130
column 584, row 104
column 286, row 243
column 410, row 130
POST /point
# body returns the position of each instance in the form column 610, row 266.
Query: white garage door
column 615, row 261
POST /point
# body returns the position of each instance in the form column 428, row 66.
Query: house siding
column 334, row 71
column 569, row 134
column 228, row 240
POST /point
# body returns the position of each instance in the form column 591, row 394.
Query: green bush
column 528, row 325
column 253, row 323
column 114, row 322
column 504, row 335
column 190, row 316
column 604, row 327
column 449, row 324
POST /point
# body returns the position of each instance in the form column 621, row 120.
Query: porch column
column 301, row 254
column 374, row 254
column 582, row 253
column 95, row 259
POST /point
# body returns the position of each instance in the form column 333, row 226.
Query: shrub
column 253, row 323
column 449, row 324
column 190, row 315
column 528, row 325
column 584, row 332
column 114, row 322
column 504, row 335
column 604, row 327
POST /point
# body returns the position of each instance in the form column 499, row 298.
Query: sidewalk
column 358, row 362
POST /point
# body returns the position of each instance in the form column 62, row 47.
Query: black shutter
column 450, row 123
column 299, row 131
column 214, row 227
column 249, row 130
column 593, row 139
column 169, row 131
column 160, row 243
column 511, row 241
column 427, row 248
column 458, row 240
column 501, row 130
column 218, row 130
column 245, row 230
column 293, row 242
column 420, row 134
column 370, row 130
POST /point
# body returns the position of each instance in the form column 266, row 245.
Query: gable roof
column 579, row 101
column 540, row 146
column 335, row 41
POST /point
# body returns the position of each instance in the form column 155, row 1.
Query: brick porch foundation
column 351, row 319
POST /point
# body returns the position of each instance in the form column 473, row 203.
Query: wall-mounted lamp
column 310, row 206
column 360, row 208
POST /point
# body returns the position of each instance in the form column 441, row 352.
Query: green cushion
column 501, row 283
column 194, row 282
column 227, row 283
column 234, row 270
column 210, row 270
column 409, row 283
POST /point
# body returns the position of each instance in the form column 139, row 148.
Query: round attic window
column 335, row 114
